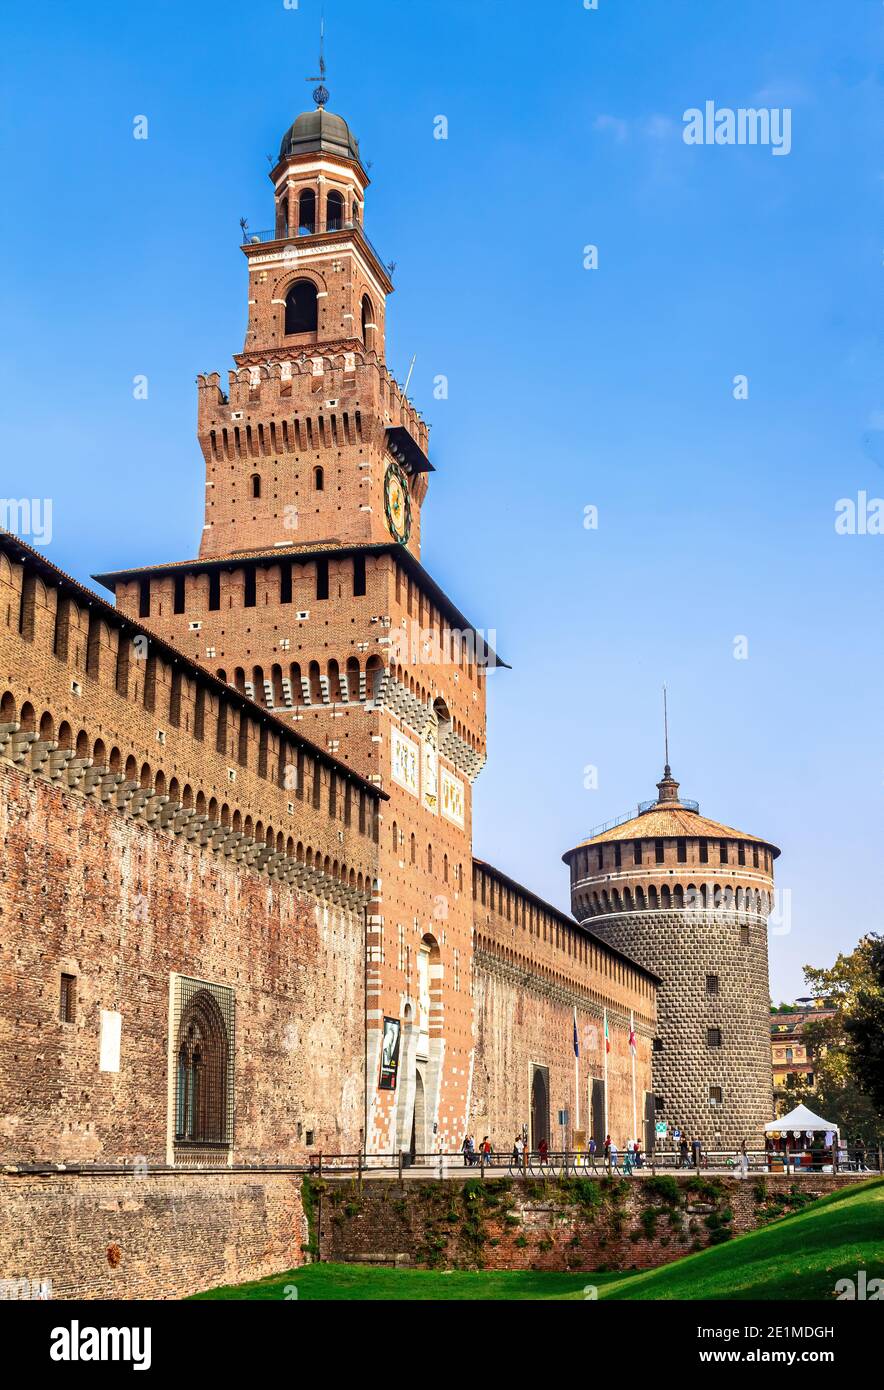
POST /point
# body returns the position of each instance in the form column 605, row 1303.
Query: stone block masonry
column 160, row 1235
column 571, row 1224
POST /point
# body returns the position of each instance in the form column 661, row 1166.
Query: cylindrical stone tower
column 689, row 899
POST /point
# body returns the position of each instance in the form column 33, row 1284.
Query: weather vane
column 320, row 92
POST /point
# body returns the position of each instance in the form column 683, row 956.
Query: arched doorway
column 418, row 1143
column 539, row 1107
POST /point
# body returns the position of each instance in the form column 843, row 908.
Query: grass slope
column 796, row 1257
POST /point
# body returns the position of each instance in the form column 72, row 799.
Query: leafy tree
column 864, row 1027
column 848, row 1047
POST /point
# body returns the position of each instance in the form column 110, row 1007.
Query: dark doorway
column 650, row 1122
column 598, row 1112
column 539, row 1107
column 418, row 1119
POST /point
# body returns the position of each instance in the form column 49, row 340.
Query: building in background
column 791, row 1055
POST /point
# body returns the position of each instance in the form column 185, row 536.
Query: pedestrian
column 628, row 1159
column 639, row 1161
column 743, row 1161
column 590, row 1153
column 543, row 1151
column 613, row 1155
column 607, row 1150
column 860, row 1156
column 466, row 1149
column 696, row 1150
column 683, row 1151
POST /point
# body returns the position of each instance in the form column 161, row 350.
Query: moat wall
column 578, row 1224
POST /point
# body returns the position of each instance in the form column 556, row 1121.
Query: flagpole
column 576, row 1075
column 606, row 1071
column 632, row 1050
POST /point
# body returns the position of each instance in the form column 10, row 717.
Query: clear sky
column 568, row 388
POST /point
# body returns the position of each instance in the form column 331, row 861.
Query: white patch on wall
column 430, row 773
column 404, row 762
column 109, row 1044
column 452, row 797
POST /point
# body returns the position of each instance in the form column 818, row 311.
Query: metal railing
column 577, row 1163
column 250, row 238
column 683, row 803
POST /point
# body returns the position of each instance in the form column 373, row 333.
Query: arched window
column 301, row 314
column 307, row 212
column 319, row 478
column 334, row 212
column 203, row 1110
column 367, row 322
column 256, row 484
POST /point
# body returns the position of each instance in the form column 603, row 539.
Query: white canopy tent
column 802, row 1119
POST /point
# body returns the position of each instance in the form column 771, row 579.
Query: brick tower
column 309, row 596
column 689, row 899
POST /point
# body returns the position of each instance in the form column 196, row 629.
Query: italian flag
column 632, row 1038
column 607, row 1036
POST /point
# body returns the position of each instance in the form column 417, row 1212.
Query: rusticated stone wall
column 684, row 947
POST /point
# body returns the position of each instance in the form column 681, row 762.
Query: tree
column 864, row 1027
column 848, row 1046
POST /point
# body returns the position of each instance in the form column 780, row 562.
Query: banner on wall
column 452, row 797
column 390, row 1054
column 404, row 761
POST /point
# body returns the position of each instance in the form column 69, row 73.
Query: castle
column 242, row 922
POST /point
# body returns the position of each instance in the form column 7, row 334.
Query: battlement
column 346, row 388
column 97, row 704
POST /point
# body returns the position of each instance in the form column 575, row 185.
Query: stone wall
column 162, row 1235
column 685, row 947
column 579, row 1224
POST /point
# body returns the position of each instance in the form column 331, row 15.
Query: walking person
column 466, row 1149
column 543, row 1151
column 696, row 1152
column 683, row 1151
column 860, row 1150
column 590, row 1153
column 607, row 1151
column 743, row 1161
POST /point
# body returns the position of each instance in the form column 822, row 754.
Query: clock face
column 397, row 503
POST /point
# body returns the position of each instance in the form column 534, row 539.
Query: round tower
column 689, row 899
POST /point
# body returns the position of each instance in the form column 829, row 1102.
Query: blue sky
column 568, row 388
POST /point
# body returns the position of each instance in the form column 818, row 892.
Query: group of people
column 592, row 1157
column 471, row 1154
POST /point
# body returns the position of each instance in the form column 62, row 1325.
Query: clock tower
column 308, row 595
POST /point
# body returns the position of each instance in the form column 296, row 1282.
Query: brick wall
column 174, row 1233
column 532, row 967
column 587, row 1224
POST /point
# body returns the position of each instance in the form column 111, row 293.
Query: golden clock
column 397, row 503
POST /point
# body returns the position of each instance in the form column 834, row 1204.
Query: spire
column 320, row 92
column 667, row 787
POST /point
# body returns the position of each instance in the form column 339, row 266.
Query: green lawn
column 796, row 1257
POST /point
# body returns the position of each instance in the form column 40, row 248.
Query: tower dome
column 320, row 131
